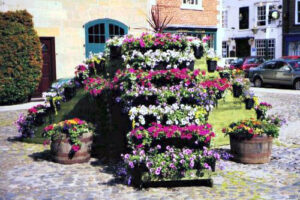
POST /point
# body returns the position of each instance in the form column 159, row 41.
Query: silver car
column 280, row 72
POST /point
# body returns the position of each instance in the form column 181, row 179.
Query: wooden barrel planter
column 251, row 151
column 61, row 150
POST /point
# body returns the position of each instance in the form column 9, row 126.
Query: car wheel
column 258, row 82
column 297, row 84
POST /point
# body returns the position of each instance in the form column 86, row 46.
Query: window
column 294, row 48
column 192, row 4
column 265, row 48
column 244, row 18
column 225, row 49
column 261, row 16
column 224, row 19
column 297, row 12
column 97, row 33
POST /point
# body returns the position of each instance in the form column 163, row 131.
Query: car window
column 250, row 61
column 269, row 65
column 280, row 65
column 295, row 65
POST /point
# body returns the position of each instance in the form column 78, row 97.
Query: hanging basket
column 198, row 52
column 249, row 104
column 211, row 65
column 237, row 90
column 115, row 51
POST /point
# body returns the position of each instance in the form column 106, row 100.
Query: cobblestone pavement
column 26, row 173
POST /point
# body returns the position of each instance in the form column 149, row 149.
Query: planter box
column 251, row 151
column 141, row 179
column 61, row 150
column 39, row 119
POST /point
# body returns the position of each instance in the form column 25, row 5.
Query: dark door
column 242, row 48
column 48, row 70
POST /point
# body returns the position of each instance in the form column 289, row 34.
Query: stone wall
column 64, row 20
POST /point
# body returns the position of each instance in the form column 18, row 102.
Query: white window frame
column 262, row 44
column 191, row 4
column 224, row 19
column 266, row 16
column 297, row 21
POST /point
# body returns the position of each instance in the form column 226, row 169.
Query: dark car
column 281, row 72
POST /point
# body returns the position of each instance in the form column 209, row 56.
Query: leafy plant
column 20, row 57
column 157, row 22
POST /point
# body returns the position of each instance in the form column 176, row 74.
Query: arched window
column 97, row 32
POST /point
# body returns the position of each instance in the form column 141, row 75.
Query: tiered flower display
column 168, row 103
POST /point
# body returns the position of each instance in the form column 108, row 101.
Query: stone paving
column 26, row 172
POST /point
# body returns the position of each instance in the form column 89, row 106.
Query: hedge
column 20, row 57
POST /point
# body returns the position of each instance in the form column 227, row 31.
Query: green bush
column 20, row 57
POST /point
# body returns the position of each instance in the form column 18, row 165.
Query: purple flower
column 207, row 166
column 217, row 156
column 172, row 166
column 158, row 146
column 192, row 164
column 182, row 161
column 131, row 165
column 157, row 171
column 149, row 164
column 126, row 156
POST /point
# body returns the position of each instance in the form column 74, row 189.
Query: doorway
column 49, row 67
column 243, row 49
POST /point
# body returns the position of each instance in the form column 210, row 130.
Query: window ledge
column 191, row 7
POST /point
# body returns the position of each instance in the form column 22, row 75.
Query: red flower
column 75, row 148
column 48, row 128
column 250, row 131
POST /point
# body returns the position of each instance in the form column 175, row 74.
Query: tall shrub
column 20, row 57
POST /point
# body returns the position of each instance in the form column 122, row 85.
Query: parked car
column 280, row 71
column 237, row 64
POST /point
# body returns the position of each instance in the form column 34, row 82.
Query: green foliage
column 20, row 57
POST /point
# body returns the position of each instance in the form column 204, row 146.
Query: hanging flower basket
column 249, row 103
column 237, row 90
column 115, row 51
column 211, row 65
column 198, row 52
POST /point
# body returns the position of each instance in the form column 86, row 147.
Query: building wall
column 205, row 17
column 272, row 31
column 64, row 20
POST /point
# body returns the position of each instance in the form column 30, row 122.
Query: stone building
column 70, row 29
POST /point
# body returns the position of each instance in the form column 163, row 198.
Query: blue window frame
column 98, row 31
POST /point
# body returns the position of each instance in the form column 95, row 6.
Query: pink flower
column 75, row 148
column 142, row 43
